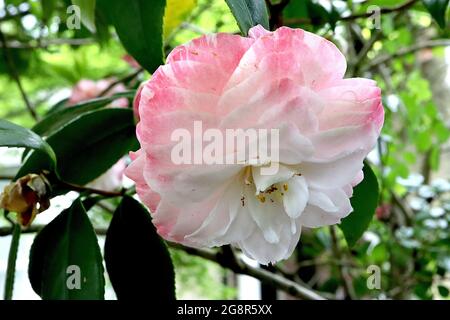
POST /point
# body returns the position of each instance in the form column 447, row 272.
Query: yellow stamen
column 261, row 198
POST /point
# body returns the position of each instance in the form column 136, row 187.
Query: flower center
column 273, row 193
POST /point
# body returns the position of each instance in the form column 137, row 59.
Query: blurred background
column 46, row 59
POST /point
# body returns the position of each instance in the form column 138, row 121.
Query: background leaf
column 437, row 9
column 87, row 11
column 176, row 12
column 364, row 202
column 58, row 118
column 249, row 13
column 88, row 146
column 139, row 25
column 137, row 260
column 12, row 135
column 69, row 240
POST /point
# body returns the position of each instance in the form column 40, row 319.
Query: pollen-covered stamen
column 275, row 192
column 248, row 179
column 272, row 193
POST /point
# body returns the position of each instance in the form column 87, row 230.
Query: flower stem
column 11, row 268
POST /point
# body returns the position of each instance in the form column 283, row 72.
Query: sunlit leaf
column 176, row 12
column 12, row 135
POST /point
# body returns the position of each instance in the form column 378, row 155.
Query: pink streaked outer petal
column 135, row 171
column 194, row 76
column 136, row 102
column 211, row 49
column 175, row 222
column 257, row 32
column 295, row 54
column 351, row 120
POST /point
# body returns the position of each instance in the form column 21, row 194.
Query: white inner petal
column 295, row 196
column 262, row 182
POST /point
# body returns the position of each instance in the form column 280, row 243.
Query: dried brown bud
column 27, row 196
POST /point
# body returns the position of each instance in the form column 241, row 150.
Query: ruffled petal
column 295, row 196
column 319, row 212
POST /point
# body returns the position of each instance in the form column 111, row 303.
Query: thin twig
column 15, row 75
column 78, row 188
column 345, row 276
column 43, row 44
column 352, row 17
column 362, row 54
column 126, row 78
column 407, row 213
column 405, row 51
column 239, row 266
column 276, row 13
column 401, row 7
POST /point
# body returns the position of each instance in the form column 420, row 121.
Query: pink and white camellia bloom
column 290, row 80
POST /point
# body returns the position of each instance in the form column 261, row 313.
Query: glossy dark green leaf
column 57, row 119
column 249, row 13
column 88, row 146
column 12, row 135
column 443, row 291
column 65, row 259
column 437, row 9
column 137, row 260
column 139, row 25
column 364, row 202
column 61, row 113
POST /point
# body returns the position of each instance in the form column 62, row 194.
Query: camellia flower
column 290, row 80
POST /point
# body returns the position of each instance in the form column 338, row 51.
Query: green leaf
column 249, row 13
column 58, row 106
column 62, row 114
column 137, row 260
column 443, row 291
column 12, row 135
column 65, row 259
column 88, row 146
column 139, row 25
column 87, row 12
column 48, row 7
column 364, row 202
column 437, row 9
column 56, row 119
